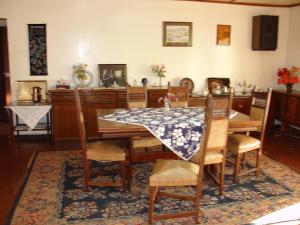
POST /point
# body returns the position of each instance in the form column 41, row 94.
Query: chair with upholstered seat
column 178, row 173
column 98, row 151
column 217, row 142
column 181, row 96
column 240, row 144
column 137, row 98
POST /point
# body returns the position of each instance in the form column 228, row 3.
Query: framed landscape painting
column 177, row 34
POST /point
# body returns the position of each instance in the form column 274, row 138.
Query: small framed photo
column 112, row 73
column 25, row 89
column 223, row 34
column 177, row 33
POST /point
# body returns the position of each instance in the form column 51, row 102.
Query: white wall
column 130, row 31
column 293, row 58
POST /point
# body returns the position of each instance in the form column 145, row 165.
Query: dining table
column 109, row 127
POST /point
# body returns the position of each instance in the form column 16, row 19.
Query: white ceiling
column 258, row 2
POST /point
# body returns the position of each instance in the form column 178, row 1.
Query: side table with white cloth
column 31, row 114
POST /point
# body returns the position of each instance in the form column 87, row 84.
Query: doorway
column 5, row 91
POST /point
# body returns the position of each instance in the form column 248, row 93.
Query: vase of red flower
column 166, row 100
column 288, row 77
column 289, row 88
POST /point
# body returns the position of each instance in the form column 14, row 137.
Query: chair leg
column 258, row 161
column 244, row 160
column 197, row 202
column 123, row 174
column 237, row 167
column 152, row 193
column 130, row 162
column 158, row 195
column 86, row 173
column 197, row 210
column 221, row 185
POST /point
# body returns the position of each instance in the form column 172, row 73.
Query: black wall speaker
column 264, row 33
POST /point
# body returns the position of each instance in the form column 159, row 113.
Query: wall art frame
column 223, row 34
column 110, row 73
column 38, row 49
column 177, row 34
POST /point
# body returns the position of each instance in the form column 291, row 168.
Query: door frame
column 8, row 95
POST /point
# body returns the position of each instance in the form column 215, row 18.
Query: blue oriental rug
column 54, row 195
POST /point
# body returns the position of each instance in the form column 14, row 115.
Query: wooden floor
column 13, row 166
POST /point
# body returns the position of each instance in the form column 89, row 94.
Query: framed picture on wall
column 110, row 73
column 223, row 34
column 177, row 34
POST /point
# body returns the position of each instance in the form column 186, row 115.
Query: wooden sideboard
column 284, row 107
column 63, row 109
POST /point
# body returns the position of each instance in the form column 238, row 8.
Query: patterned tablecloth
column 180, row 129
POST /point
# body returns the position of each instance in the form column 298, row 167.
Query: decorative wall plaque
column 38, row 49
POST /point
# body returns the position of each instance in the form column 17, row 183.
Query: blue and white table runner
column 180, row 129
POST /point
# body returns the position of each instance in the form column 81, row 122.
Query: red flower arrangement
column 167, row 98
column 286, row 76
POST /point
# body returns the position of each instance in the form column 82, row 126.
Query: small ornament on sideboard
column 144, row 81
column 244, row 85
column 62, row 83
column 82, row 77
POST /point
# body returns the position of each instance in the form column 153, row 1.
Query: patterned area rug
column 54, row 195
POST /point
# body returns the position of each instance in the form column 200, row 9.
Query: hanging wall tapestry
column 37, row 49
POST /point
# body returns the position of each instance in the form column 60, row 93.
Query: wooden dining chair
column 217, row 142
column 137, row 98
column 240, row 144
column 178, row 173
column 181, row 95
column 98, row 151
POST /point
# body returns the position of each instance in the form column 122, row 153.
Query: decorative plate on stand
column 83, row 80
column 187, row 82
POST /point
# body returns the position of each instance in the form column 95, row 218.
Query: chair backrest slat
column 260, row 108
column 80, row 121
column 136, row 97
column 181, row 95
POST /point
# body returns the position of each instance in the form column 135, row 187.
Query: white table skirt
column 31, row 115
